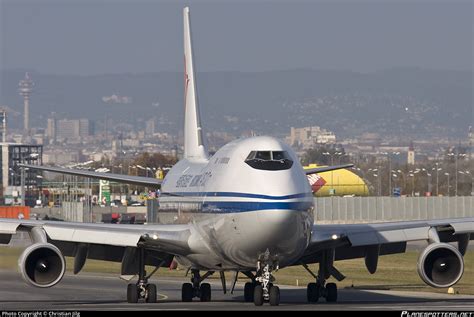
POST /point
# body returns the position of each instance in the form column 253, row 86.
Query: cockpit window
column 269, row 160
column 279, row 155
column 263, row 155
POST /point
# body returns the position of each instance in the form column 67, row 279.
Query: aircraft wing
column 109, row 242
column 136, row 180
column 354, row 240
column 326, row 168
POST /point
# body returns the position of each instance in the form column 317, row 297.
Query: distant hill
column 402, row 101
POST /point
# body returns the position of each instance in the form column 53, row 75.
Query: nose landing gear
column 264, row 290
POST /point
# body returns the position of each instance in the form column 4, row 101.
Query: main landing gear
column 249, row 287
column 142, row 290
column 320, row 288
column 196, row 288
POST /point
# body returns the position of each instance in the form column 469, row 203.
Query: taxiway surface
column 107, row 292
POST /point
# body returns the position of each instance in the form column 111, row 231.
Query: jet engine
column 42, row 265
column 440, row 265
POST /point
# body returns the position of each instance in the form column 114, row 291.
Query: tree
column 155, row 160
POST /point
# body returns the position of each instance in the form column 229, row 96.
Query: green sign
column 104, row 192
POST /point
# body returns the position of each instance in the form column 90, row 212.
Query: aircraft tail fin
column 194, row 142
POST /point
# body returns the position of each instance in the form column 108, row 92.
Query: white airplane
column 247, row 209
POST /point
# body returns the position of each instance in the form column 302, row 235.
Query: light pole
column 389, row 176
column 379, row 184
column 437, row 169
column 429, row 183
column 364, row 177
column 413, row 184
column 402, row 178
column 393, row 173
column 136, row 173
column 373, row 171
column 375, row 175
column 390, row 171
column 463, row 155
column 414, row 174
column 455, row 155
column 466, row 173
column 447, row 174
column 428, row 180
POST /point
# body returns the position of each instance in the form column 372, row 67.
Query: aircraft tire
column 132, row 293
column 187, row 292
column 331, row 289
column 205, row 291
column 258, row 295
column 151, row 293
column 248, row 291
column 312, row 292
column 274, row 296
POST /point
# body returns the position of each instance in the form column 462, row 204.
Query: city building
column 11, row 155
column 61, row 156
column 51, row 129
column 3, row 124
column 86, row 128
column 150, row 127
column 308, row 137
column 66, row 129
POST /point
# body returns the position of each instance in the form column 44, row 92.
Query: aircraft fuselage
column 240, row 211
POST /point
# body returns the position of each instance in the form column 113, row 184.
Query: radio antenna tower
column 25, row 88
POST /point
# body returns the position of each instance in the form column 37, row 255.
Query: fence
column 383, row 209
column 327, row 209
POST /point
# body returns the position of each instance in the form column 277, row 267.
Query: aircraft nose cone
column 283, row 232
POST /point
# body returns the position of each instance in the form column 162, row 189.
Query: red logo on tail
column 316, row 182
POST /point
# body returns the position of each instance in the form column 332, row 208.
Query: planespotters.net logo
column 436, row 314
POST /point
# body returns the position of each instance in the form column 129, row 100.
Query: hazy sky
column 94, row 37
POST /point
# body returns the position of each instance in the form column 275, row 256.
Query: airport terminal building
column 11, row 155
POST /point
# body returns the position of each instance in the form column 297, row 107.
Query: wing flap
column 389, row 236
column 172, row 239
column 463, row 227
column 8, row 227
column 363, row 238
column 347, row 237
column 95, row 236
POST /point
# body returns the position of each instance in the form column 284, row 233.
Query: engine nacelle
column 42, row 265
column 440, row 265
